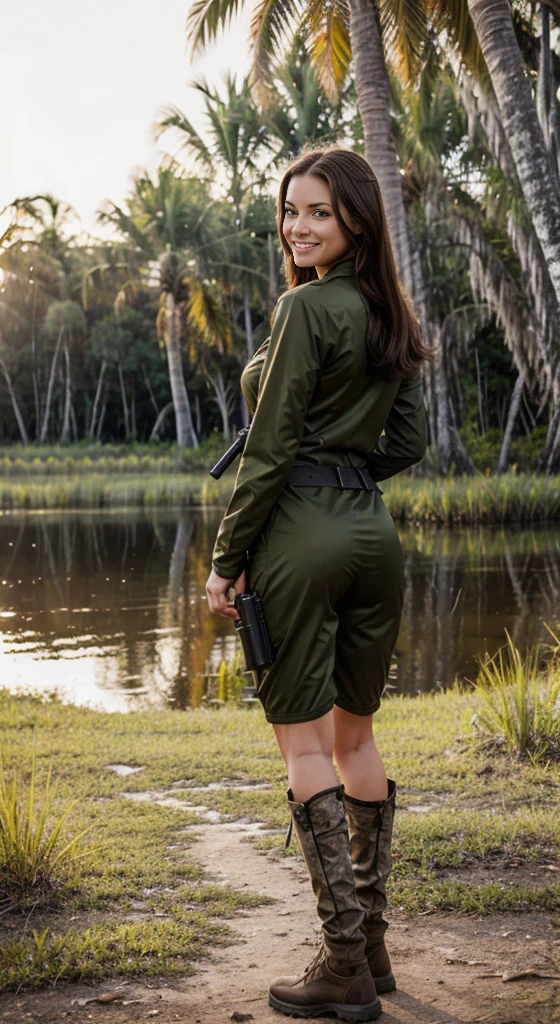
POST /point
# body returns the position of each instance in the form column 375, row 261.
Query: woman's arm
column 288, row 380
column 404, row 442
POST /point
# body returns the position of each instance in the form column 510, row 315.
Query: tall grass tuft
column 35, row 855
column 520, row 700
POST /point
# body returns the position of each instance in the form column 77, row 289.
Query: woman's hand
column 217, row 589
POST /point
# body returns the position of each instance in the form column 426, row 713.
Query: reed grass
column 449, row 501
column 57, row 460
column 35, row 855
column 521, row 700
column 465, row 500
column 99, row 490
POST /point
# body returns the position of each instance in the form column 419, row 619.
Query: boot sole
column 359, row 1014
column 386, row 984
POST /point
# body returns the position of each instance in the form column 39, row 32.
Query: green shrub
column 484, row 450
column 525, row 451
column 35, row 855
column 520, row 701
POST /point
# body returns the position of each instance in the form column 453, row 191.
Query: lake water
column 109, row 608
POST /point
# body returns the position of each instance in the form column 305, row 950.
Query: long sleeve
column 289, row 378
column 404, row 442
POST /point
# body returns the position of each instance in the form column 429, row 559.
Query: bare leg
column 357, row 757
column 307, row 749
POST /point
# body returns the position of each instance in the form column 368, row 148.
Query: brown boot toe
column 321, row 991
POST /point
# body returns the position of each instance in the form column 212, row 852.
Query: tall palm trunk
column 514, row 406
column 186, row 437
column 450, row 447
column 154, row 436
column 15, row 404
column 547, row 104
column 221, row 392
column 126, row 414
column 50, row 386
column 91, row 432
column 65, row 432
column 372, row 88
column 549, row 460
column 34, row 366
column 494, row 28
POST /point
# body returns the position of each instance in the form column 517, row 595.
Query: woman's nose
column 300, row 227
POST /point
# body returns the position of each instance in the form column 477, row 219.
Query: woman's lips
column 304, row 247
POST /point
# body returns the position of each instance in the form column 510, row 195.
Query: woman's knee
column 352, row 733
column 303, row 739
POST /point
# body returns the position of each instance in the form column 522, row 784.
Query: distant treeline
column 142, row 338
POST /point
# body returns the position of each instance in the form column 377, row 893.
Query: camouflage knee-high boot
column 338, row 980
column 371, row 829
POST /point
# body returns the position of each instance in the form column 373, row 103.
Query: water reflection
column 110, row 607
column 463, row 589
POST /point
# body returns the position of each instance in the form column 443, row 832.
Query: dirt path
column 440, row 960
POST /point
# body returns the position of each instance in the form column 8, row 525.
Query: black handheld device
column 253, row 631
column 233, row 451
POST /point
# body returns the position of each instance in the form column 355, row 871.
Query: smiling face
column 310, row 226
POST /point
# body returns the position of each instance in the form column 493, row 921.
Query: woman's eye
column 289, row 213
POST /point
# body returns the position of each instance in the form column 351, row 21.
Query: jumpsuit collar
column 344, row 268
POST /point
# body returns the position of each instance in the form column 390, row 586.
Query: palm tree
column 167, row 223
column 237, row 138
column 333, row 35
column 494, row 27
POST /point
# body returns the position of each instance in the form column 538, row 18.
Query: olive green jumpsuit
column 327, row 563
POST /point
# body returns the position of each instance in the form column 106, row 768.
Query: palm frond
column 204, row 20
column 172, row 117
column 206, row 315
column 273, row 26
column 405, row 31
column 100, row 279
column 328, row 43
column 453, row 18
column 110, row 213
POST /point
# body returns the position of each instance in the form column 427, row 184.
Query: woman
column 341, row 365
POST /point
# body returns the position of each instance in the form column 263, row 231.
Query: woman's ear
column 357, row 229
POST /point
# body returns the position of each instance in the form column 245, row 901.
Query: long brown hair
column 393, row 333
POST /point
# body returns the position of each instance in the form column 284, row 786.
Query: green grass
column 146, row 948
column 483, row 839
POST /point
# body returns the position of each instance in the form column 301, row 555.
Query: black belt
column 343, row 477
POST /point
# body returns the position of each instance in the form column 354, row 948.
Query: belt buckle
column 364, row 482
column 351, row 486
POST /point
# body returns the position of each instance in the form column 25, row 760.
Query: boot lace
column 319, row 959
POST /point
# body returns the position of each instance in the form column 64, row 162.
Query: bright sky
column 81, row 85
